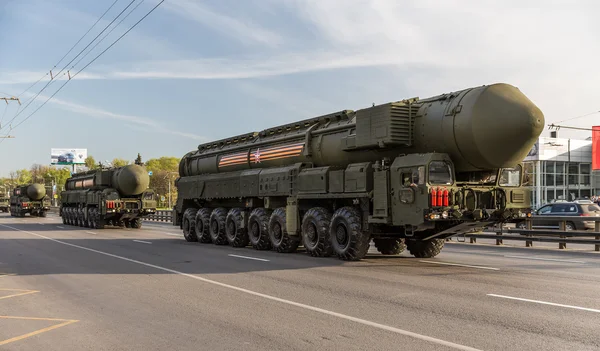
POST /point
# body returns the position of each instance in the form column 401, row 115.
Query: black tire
column 389, row 246
column 349, row 241
column 189, row 232
column 42, row 214
column 136, row 223
column 64, row 218
column 425, row 249
column 570, row 226
column 202, row 225
column 79, row 218
column 281, row 241
column 217, row 226
column 258, row 229
column 100, row 221
column 237, row 234
column 315, row 232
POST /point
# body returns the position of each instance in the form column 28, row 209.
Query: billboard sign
column 596, row 148
column 68, row 156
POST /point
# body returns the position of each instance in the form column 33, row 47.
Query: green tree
column 119, row 162
column 164, row 171
column 90, row 162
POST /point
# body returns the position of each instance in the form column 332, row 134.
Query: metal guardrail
column 560, row 236
column 160, row 216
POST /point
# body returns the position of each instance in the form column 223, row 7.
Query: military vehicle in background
column 108, row 196
column 4, row 200
column 29, row 198
column 405, row 174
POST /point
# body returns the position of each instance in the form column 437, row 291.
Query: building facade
column 561, row 169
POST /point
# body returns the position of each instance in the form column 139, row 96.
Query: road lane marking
column 39, row 331
column 173, row 234
column 249, row 258
column 92, row 233
column 545, row 303
column 142, row 241
column 20, row 293
column 461, row 265
column 265, row 296
column 59, row 227
column 544, row 259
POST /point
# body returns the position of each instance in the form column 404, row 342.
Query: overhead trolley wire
column 89, row 63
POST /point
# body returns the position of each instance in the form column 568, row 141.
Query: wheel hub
column 277, row 232
column 341, row 235
column 311, row 233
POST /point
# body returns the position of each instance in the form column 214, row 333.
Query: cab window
column 440, row 173
column 511, row 176
column 415, row 176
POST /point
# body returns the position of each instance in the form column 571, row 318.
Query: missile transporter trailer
column 30, row 198
column 4, row 200
column 405, row 174
column 108, row 196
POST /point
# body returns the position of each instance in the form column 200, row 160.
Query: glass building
column 561, row 169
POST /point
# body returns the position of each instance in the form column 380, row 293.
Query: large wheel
column 258, row 229
column 42, row 213
column 349, row 241
column 237, row 234
column 315, row 232
column 189, row 232
column 425, row 249
column 100, row 221
column 93, row 218
column 64, row 217
column 281, row 241
column 136, row 223
column 217, row 226
column 389, row 246
column 79, row 218
column 202, row 225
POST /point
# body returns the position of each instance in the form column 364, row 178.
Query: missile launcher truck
column 108, row 196
column 405, row 175
column 30, row 198
column 4, row 200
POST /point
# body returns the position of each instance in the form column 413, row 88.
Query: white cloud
column 144, row 123
column 236, row 28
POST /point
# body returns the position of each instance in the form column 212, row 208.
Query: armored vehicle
column 4, row 200
column 404, row 174
column 108, row 196
column 30, row 198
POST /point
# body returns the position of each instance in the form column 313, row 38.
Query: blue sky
column 195, row 71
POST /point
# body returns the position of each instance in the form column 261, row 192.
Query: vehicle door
column 563, row 209
column 538, row 220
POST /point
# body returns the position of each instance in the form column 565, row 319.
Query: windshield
column 440, row 173
column 510, row 176
column 478, row 177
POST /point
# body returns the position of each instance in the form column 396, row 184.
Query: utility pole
column 6, row 99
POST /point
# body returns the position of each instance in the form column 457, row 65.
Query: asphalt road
column 71, row 288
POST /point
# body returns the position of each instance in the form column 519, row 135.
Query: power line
column 73, row 59
column 95, row 58
column 71, row 49
column 107, row 34
column 570, row 119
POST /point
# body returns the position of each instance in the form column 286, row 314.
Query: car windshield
column 510, row 176
column 592, row 208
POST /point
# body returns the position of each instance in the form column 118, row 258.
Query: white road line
column 545, row 259
column 174, row 234
column 461, row 265
column 546, row 303
column 59, row 227
column 92, row 233
column 249, row 258
column 142, row 241
column 268, row 297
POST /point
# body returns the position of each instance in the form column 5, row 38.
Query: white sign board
column 68, row 156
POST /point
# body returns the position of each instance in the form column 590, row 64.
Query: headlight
column 445, row 214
